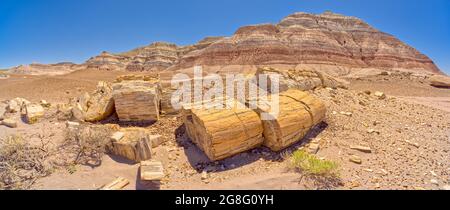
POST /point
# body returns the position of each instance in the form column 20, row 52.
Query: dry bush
column 21, row 163
column 88, row 143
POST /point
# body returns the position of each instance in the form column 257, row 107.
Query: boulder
column 137, row 100
column 151, row 170
column 298, row 113
column 222, row 133
column 100, row 104
column 135, row 145
column 440, row 81
column 33, row 112
column 9, row 123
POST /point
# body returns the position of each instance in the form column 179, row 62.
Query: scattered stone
column 33, row 112
column 368, row 170
column 368, row 92
column 9, row 123
column 152, row 170
column 371, row 130
column 361, row 148
column 117, row 184
column 434, row 181
column 45, row 104
column 204, row 175
column 72, row 125
column 413, row 144
column 313, row 148
column 349, row 114
column 355, row 159
column 433, row 173
column 380, row 95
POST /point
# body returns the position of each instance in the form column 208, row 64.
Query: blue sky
column 49, row 31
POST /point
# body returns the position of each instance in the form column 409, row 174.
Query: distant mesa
column 334, row 43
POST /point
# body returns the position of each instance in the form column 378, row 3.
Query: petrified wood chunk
column 221, row 133
column 100, row 104
column 33, row 112
column 137, row 100
column 151, row 170
column 135, row 145
column 298, row 113
column 117, row 184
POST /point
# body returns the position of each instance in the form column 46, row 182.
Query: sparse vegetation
column 311, row 165
column 88, row 143
column 323, row 173
column 21, row 163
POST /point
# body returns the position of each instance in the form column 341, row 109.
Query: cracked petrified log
column 297, row 113
column 135, row 145
column 99, row 105
column 137, row 100
column 221, row 133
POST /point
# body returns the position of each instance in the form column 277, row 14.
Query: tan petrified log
column 301, row 79
column 440, row 81
column 298, row 113
column 33, row 112
column 221, row 133
column 100, row 105
column 137, row 100
column 118, row 184
column 135, row 144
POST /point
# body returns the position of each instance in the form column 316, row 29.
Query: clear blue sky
column 49, row 31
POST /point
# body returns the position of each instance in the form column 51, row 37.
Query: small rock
column 368, row 92
column 368, row 170
column 349, row 114
column 2, row 111
column 433, row 173
column 9, row 123
column 446, row 187
column 362, row 148
column 355, row 159
column 434, row 181
column 204, row 175
column 313, row 148
column 380, row 95
column 373, row 131
column 72, row 125
column 45, row 104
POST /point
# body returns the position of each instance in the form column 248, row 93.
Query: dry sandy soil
column 408, row 132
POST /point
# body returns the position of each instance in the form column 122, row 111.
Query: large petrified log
column 221, row 133
column 33, row 112
column 297, row 113
column 137, row 99
column 440, row 81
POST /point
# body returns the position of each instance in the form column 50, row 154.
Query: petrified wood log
column 298, row 113
column 221, row 133
column 137, row 100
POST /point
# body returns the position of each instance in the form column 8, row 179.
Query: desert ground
column 408, row 134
